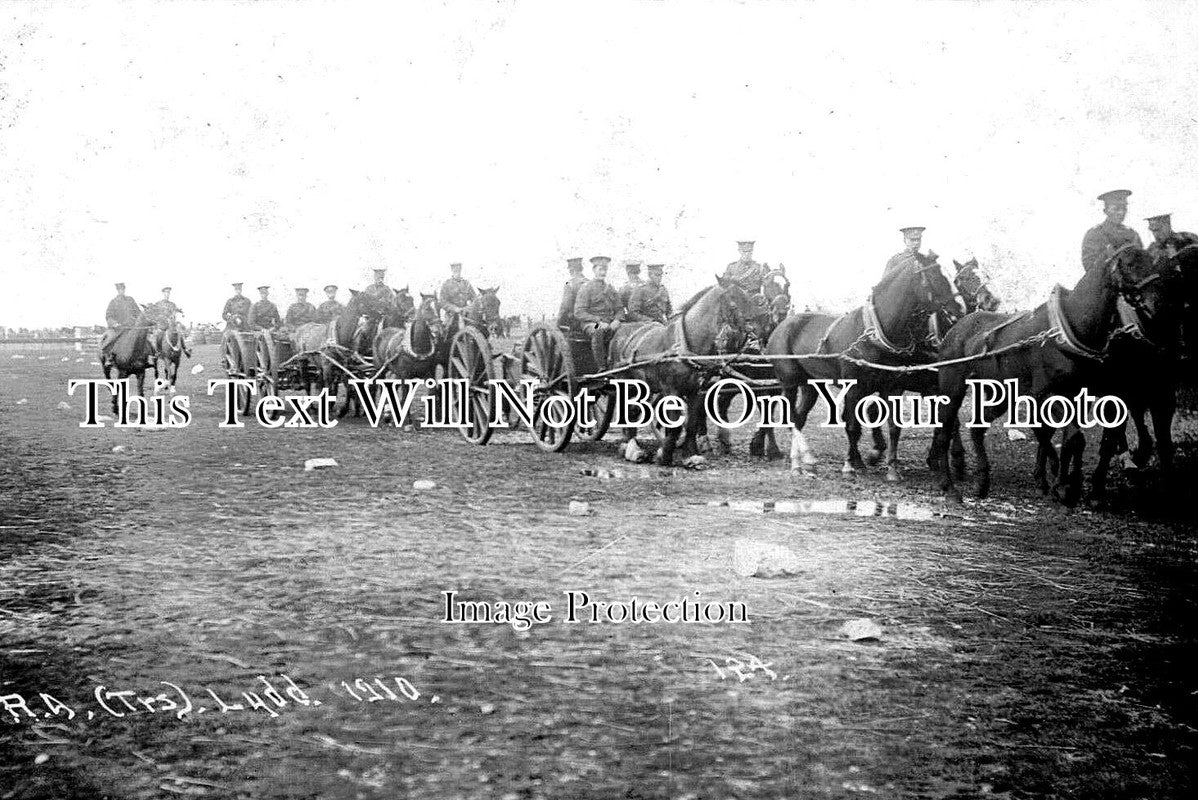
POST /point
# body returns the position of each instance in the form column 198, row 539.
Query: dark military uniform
column 237, row 306
column 329, row 310
column 565, row 314
column 904, row 259
column 746, row 274
column 649, row 303
column 122, row 312
column 1103, row 239
column 300, row 313
column 1169, row 247
column 264, row 315
column 596, row 305
column 627, row 289
column 381, row 292
column 163, row 313
column 456, row 294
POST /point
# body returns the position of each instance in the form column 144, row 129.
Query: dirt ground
column 1025, row 651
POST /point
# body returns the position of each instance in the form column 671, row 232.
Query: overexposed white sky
column 296, row 144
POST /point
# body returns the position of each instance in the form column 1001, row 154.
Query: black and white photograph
column 532, row 400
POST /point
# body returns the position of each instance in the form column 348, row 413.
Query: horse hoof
column 774, row 455
column 873, row 458
column 892, row 476
column 804, row 471
column 848, row 469
column 954, row 497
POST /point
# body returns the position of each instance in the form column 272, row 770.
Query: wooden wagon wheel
column 235, row 367
column 470, row 360
column 603, row 408
column 548, row 362
column 267, row 376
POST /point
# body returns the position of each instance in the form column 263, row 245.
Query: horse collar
column 1061, row 331
column 873, row 330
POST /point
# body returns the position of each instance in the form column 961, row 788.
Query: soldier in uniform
column 1111, row 234
column 650, row 302
column 330, row 309
column 236, row 313
column 912, row 240
column 1166, row 241
column 264, row 315
column 301, row 311
column 598, row 310
column 163, row 313
column 379, row 290
column 565, row 314
column 746, row 272
column 633, row 270
column 122, row 313
column 456, row 293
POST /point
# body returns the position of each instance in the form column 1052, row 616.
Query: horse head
column 974, row 287
column 404, row 305
column 915, row 298
column 742, row 320
column 1153, row 290
column 483, row 311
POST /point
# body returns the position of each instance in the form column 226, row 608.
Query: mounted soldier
column 912, row 241
column 379, row 290
column 747, row 273
column 1167, row 243
column 236, row 313
column 633, row 270
column 597, row 310
column 330, row 309
column 264, row 315
column 565, row 313
column 163, row 315
column 650, row 302
column 121, row 314
column 456, row 293
column 1111, row 234
column 301, row 311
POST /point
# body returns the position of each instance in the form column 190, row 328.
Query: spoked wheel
column 603, row 409
column 265, row 378
column 470, row 360
column 236, row 367
column 548, row 362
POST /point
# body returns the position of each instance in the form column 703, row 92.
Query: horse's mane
column 689, row 304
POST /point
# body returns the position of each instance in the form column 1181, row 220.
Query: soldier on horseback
column 236, row 312
column 747, row 273
column 163, row 314
column 301, row 311
column 456, row 293
column 598, row 310
column 650, row 302
column 264, row 315
column 565, row 314
column 912, row 240
column 1167, row 244
column 1111, row 234
column 379, row 290
column 121, row 314
column 329, row 309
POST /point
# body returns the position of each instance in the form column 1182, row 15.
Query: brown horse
column 1143, row 365
column 129, row 354
column 408, row 347
column 332, row 348
column 897, row 327
column 974, row 288
column 722, row 311
column 1055, row 350
column 168, row 352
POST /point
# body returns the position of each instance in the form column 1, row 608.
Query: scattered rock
column 634, row 453
column 41, row 758
column 96, row 364
column 602, row 474
column 41, row 358
column 22, row 401
column 861, row 630
column 579, row 508
column 66, row 358
column 695, row 462
column 17, row 357
column 319, row 463
column 120, row 448
column 1016, row 435
column 424, row 485
column 763, row 560
column 197, row 369
column 63, row 405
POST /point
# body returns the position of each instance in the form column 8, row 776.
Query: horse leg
column 978, row 436
column 957, row 455
column 1044, row 450
column 802, row 400
column 772, row 451
column 665, row 456
column 873, row 456
column 1144, row 444
column 892, row 470
column 1067, row 489
column 723, row 435
column 1162, row 409
column 852, row 430
column 950, row 428
column 1106, row 451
